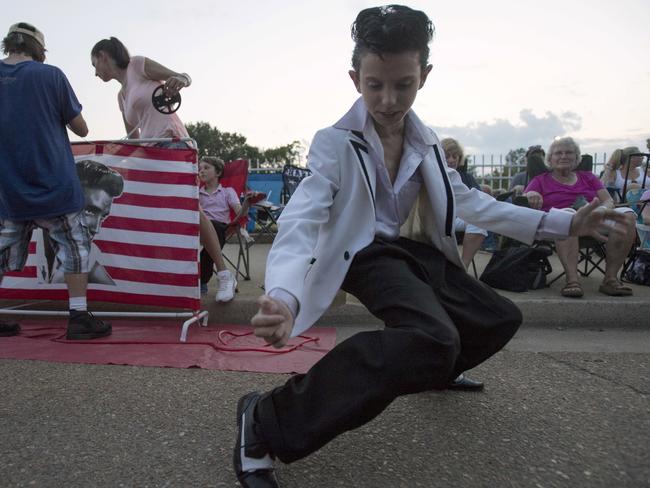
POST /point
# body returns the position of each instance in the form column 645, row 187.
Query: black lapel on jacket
column 450, row 199
column 358, row 149
column 359, row 134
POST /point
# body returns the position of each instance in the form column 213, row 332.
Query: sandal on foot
column 572, row 289
column 615, row 288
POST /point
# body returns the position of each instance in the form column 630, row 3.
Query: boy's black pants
column 439, row 322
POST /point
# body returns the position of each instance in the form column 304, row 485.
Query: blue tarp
column 269, row 183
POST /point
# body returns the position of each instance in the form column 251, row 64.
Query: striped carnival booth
column 142, row 210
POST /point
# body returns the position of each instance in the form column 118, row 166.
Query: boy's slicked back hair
column 391, row 29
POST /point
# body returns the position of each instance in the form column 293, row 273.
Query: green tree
column 515, row 161
column 231, row 145
column 289, row 153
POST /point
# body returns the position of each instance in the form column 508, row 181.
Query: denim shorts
column 69, row 235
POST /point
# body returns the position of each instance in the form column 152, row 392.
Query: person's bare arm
column 605, row 198
column 535, row 199
column 173, row 81
column 241, row 210
column 131, row 132
column 78, row 126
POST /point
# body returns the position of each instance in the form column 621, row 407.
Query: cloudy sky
column 506, row 74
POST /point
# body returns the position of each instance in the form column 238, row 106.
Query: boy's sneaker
column 227, row 286
column 83, row 325
column 8, row 329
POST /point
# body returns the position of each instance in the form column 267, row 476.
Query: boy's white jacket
column 331, row 216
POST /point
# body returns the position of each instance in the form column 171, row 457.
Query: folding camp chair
column 586, row 163
column 268, row 212
column 235, row 175
column 641, row 246
column 291, row 178
column 591, row 252
column 640, row 252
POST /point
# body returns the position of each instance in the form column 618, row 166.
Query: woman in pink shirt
column 565, row 188
column 139, row 77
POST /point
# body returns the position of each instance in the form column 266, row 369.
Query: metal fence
column 489, row 169
column 257, row 166
column 493, row 170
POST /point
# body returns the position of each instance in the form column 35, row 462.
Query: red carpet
column 144, row 343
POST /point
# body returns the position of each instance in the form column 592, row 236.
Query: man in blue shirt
column 39, row 185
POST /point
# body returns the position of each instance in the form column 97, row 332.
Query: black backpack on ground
column 639, row 271
column 518, row 268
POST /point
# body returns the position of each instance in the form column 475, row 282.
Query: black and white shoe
column 252, row 460
column 464, row 383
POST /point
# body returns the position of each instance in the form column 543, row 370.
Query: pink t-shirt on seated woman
column 559, row 195
column 135, row 103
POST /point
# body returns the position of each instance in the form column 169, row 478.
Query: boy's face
column 389, row 85
column 207, row 172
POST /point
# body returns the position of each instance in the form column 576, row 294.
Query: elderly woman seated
column 473, row 236
column 565, row 188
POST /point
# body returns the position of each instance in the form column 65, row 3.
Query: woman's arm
column 131, row 132
column 173, row 81
column 534, row 193
column 535, row 199
column 605, row 198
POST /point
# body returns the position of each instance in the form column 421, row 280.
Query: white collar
column 203, row 189
column 358, row 119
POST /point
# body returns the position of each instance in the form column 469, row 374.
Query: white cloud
column 501, row 135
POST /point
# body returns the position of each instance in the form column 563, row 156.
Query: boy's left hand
column 593, row 218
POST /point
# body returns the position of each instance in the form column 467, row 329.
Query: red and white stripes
column 148, row 244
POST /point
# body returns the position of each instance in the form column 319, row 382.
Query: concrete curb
column 594, row 312
column 541, row 308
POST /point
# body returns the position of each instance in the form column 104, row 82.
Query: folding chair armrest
column 232, row 228
column 504, row 196
column 245, row 207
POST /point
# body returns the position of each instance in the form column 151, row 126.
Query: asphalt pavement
column 546, row 419
column 565, row 405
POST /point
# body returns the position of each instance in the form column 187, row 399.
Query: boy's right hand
column 273, row 321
